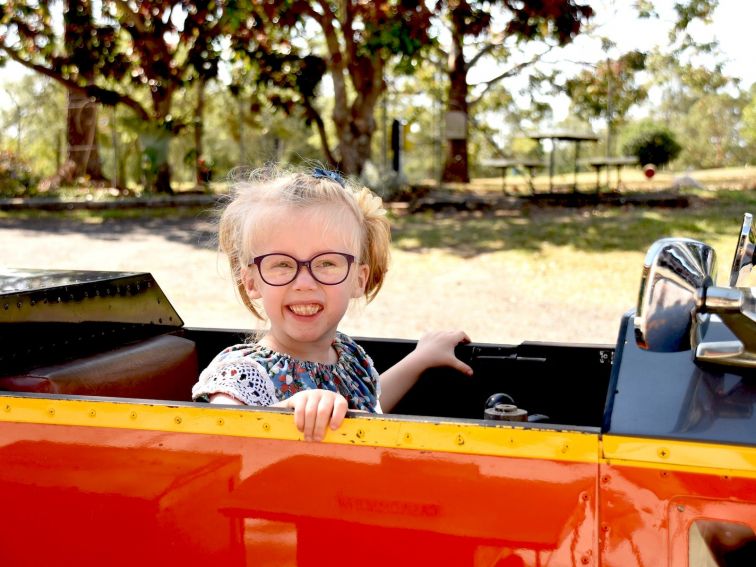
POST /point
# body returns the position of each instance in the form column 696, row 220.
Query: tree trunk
column 455, row 161
column 201, row 167
column 157, row 144
column 354, row 121
column 83, row 149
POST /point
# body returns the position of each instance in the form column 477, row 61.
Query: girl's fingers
column 310, row 415
column 298, row 403
column 322, row 417
column 315, row 410
column 339, row 412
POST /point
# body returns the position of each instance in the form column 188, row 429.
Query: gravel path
column 486, row 299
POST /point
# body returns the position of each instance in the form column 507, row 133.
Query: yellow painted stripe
column 375, row 431
column 704, row 458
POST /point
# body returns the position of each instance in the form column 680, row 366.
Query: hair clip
column 320, row 173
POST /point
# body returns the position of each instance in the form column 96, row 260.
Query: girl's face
column 304, row 314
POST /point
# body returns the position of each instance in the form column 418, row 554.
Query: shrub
column 16, row 179
column 657, row 147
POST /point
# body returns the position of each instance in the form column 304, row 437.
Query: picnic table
column 599, row 163
column 575, row 137
column 504, row 164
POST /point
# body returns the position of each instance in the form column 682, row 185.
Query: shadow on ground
column 190, row 228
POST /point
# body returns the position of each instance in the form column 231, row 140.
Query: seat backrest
column 159, row 368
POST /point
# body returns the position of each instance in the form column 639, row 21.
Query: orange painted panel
column 646, row 514
column 123, row 497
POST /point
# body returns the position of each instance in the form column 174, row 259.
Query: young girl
column 301, row 247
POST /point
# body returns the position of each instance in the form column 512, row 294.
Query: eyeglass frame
column 257, row 260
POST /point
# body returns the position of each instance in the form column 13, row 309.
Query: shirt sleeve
column 238, row 376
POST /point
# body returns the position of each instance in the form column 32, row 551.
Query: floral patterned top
column 256, row 375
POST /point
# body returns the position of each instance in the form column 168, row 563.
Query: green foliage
column 748, row 126
column 609, row 90
column 657, row 147
column 111, row 50
column 702, row 106
column 16, row 177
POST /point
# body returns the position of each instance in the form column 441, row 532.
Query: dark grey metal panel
column 57, row 296
column 47, row 316
column 670, row 395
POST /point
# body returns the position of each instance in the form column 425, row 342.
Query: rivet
column 220, row 421
column 360, row 433
column 460, row 440
column 604, row 527
column 663, row 453
column 605, row 479
column 92, row 413
column 178, row 420
column 565, row 447
column 266, row 426
column 19, row 304
column 7, row 407
column 51, row 411
column 584, row 496
column 407, row 438
column 585, row 560
column 133, row 415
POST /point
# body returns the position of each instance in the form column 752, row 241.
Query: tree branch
column 508, row 73
column 314, row 115
column 103, row 96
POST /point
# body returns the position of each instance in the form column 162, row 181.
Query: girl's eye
column 279, row 263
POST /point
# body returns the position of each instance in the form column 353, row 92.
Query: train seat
column 159, row 368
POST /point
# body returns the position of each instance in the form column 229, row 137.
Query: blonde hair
column 254, row 192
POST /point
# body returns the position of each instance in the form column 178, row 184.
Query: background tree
column 150, row 46
column 476, row 35
column 748, row 128
column 608, row 91
column 360, row 43
column 81, row 114
column 703, row 107
column 32, row 124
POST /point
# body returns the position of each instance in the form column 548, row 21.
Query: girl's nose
column 304, row 279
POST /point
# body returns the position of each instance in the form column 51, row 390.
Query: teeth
column 309, row 309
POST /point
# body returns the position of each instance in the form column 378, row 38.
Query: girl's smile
column 306, row 309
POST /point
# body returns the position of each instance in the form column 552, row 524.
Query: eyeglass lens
column 329, row 268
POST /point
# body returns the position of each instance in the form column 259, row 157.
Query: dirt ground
column 487, row 300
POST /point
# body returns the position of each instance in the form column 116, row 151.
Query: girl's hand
column 314, row 410
column 437, row 349
column 432, row 350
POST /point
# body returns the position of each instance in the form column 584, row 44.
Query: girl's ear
column 363, row 271
column 250, row 285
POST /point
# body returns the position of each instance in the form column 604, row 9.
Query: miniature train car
column 639, row 453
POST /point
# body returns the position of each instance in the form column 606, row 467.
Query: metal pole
column 551, row 166
column 115, row 149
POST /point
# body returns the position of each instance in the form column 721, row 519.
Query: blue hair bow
column 320, row 173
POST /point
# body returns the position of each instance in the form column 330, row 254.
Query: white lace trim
column 243, row 378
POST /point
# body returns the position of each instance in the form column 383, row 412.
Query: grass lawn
column 557, row 261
